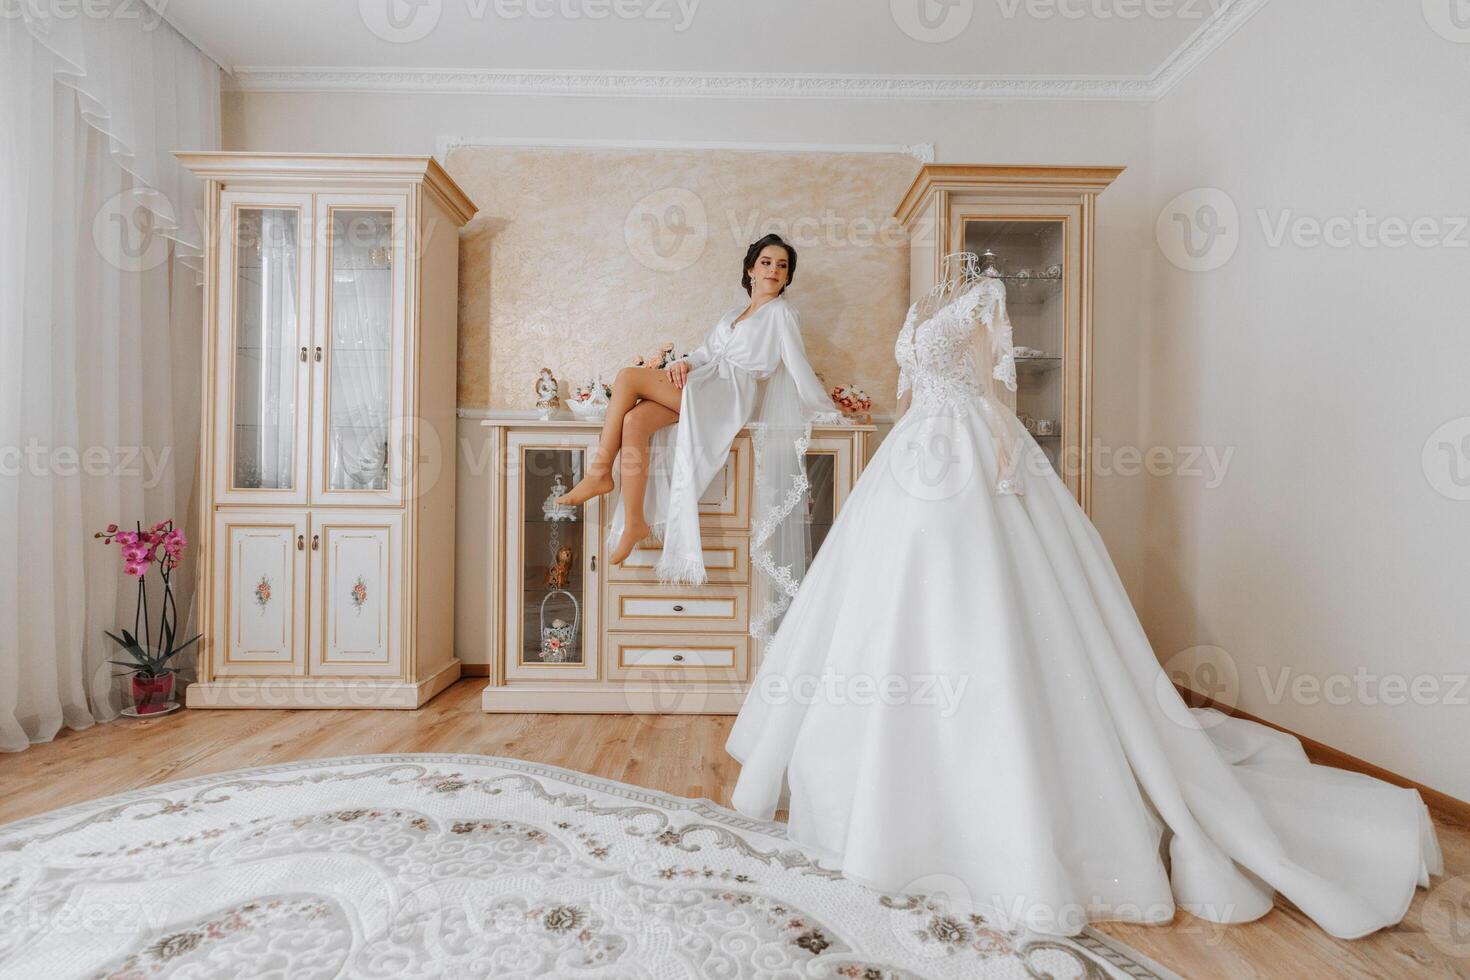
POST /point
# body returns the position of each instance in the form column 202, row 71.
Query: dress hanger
column 950, row 287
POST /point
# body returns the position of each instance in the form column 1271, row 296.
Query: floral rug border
column 1112, row 951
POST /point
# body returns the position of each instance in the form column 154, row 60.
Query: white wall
column 1329, row 548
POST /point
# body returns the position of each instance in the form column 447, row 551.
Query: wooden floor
column 683, row 755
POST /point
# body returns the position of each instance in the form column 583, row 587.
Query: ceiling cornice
column 1231, row 16
column 693, row 85
column 1228, row 18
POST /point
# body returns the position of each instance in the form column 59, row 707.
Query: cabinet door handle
column 678, row 656
column 318, row 355
column 316, row 542
column 678, row 609
column 594, row 563
column 303, row 355
column 300, row 542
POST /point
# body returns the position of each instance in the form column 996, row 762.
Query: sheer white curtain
column 99, row 336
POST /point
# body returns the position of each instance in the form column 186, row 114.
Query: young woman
column 751, row 369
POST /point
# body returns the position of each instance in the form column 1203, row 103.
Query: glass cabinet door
column 829, row 474
column 359, row 350
column 821, row 498
column 1031, row 256
column 552, row 591
column 263, row 373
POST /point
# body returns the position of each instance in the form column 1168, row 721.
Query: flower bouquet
column 152, row 677
column 659, row 359
column 854, row 402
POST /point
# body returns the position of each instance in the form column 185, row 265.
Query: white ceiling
column 877, row 48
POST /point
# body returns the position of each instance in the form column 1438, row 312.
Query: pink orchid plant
column 162, row 546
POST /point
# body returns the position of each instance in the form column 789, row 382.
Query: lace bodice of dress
column 934, row 355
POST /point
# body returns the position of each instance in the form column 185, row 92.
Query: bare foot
column 592, row 485
column 632, row 534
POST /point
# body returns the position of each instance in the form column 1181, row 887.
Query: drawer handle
column 678, row 608
column 678, row 656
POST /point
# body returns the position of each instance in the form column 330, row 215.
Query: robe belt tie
column 723, row 367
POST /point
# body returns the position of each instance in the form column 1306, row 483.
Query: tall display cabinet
column 1034, row 225
column 328, row 463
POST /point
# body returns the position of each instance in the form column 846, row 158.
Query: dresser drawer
column 672, row 607
column 725, row 503
column 726, row 560
column 702, row 656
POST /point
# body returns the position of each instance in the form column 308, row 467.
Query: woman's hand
column 677, row 372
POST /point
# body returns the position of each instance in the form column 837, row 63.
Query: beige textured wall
column 580, row 259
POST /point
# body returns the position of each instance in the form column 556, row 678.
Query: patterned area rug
column 459, row 866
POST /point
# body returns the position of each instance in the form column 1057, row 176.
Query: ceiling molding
column 1231, row 16
column 695, row 85
column 1227, row 18
column 923, row 152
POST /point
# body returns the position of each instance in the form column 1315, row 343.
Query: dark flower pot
column 152, row 694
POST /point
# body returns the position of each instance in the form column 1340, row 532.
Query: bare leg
column 639, row 425
column 631, row 385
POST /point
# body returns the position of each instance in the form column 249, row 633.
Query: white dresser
column 638, row 646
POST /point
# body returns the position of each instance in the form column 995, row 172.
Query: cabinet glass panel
column 553, row 591
column 821, row 499
column 1030, row 256
column 267, row 356
column 360, row 302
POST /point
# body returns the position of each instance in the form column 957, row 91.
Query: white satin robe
column 721, row 394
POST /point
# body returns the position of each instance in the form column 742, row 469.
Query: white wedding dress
column 962, row 689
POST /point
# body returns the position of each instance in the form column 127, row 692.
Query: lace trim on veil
column 777, row 508
column 785, row 584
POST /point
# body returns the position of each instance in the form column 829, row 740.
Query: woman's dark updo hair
column 754, row 252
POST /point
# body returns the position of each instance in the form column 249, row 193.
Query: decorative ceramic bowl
column 588, row 411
